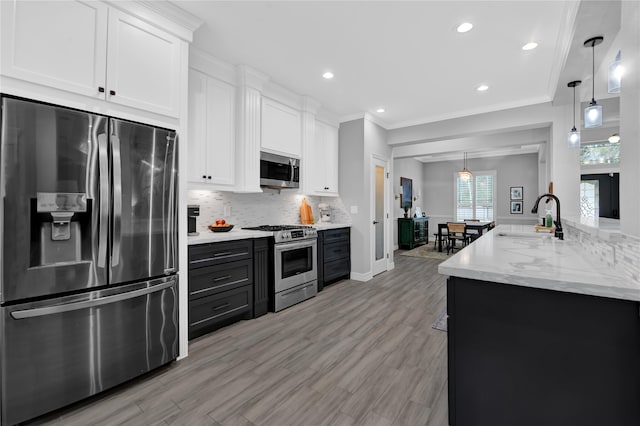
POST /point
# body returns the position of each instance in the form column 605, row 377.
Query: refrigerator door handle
column 103, row 161
column 117, row 199
column 74, row 306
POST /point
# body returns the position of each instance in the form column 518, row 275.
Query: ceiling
column 405, row 57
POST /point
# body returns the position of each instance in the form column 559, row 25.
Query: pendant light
column 593, row 113
column 573, row 138
column 465, row 174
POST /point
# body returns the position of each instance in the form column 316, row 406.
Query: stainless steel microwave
column 278, row 171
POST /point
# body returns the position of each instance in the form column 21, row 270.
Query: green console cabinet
column 413, row 232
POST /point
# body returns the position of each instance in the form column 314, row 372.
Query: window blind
column 475, row 198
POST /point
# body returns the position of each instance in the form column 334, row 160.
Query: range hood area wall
column 259, row 209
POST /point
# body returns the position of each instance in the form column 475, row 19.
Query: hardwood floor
column 357, row 354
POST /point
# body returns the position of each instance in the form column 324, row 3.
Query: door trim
column 382, row 265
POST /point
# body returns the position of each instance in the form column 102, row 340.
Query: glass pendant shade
column 593, row 115
column 573, row 138
column 465, row 174
column 615, row 75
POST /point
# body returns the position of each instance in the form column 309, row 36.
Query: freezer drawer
column 59, row 351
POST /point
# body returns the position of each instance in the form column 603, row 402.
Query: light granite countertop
column 234, row 234
column 242, row 234
column 516, row 254
column 321, row 226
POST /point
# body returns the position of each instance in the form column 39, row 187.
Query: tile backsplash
column 267, row 208
column 621, row 251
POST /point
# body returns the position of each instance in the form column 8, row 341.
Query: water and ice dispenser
column 59, row 217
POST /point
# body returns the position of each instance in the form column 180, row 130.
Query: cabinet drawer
column 334, row 235
column 202, row 255
column 211, row 312
column 337, row 269
column 335, row 251
column 214, row 279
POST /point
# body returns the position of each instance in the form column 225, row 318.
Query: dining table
column 480, row 227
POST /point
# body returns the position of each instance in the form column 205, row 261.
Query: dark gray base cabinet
column 262, row 275
column 334, row 256
column 221, row 285
column 530, row 357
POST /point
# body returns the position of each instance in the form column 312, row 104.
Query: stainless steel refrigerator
column 89, row 254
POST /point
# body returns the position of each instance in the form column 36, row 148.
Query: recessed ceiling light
column 328, row 75
column 482, row 88
column 380, row 110
column 464, row 27
column 530, row 46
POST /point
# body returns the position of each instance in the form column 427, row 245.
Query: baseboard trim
column 356, row 276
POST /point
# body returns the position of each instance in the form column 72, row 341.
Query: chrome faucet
column 557, row 222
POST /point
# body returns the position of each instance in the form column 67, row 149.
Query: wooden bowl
column 221, row 228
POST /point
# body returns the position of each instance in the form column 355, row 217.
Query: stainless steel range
column 295, row 264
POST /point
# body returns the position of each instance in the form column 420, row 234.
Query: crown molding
column 163, row 13
column 209, row 64
column 251, row 77
column 563, row 46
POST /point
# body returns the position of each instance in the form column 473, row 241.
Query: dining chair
column 473, row 234
column 443, row 235
column 456, row 232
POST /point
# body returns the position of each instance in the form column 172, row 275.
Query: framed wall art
column 516, row 193
column 516, row 207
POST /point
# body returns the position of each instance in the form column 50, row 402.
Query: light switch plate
column 354, row 210
column 227, row 210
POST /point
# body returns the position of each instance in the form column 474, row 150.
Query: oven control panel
column 296, row 234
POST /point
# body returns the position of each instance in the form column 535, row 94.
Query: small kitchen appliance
column 193, row 211
column 295, row 272
column 325, row 212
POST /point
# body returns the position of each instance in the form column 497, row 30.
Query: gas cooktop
column 286, row 233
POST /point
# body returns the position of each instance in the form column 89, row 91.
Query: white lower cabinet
column 92, row 49
column 322, row 162
column 211, row 145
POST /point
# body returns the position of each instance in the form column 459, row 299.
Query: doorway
column 600, row 195
column 379, row 215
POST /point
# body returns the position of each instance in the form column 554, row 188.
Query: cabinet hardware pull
column 204, row 176
column 226, row 277
column 208, row 177
column 112, row 92
column 101, row 89
column 217, row 308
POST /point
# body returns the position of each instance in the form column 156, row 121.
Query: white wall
column 351, row 172
column 512, row 170
column 630, row 119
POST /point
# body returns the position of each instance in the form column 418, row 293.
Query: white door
column 379, row 215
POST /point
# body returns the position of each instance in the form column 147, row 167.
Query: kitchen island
column 540, row 333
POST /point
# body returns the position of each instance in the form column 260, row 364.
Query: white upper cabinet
column 143, row 68
column 57, row 44
column 322, row 162
column 281, row 129
column 211, row 145
column 94, row 50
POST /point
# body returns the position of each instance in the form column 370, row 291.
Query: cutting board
column 306, row 215
column 540, row 228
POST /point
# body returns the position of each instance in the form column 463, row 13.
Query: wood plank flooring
column 357, row 354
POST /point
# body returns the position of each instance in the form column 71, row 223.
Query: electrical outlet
column 354, row 210
column 227, row 210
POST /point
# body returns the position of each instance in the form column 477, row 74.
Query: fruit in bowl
column 220, row 225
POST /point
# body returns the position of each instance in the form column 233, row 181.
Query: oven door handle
column 294, row 245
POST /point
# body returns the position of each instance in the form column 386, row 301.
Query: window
column 475, row 198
